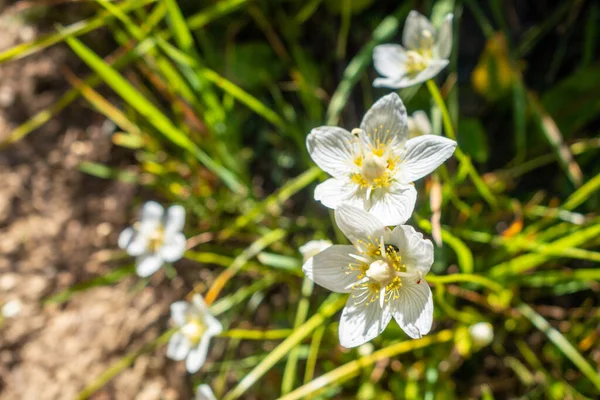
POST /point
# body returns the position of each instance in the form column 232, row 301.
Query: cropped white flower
column 374, row 166
column 313, row 247
column 482, row 334
column 196, row 327
column 204, row 392
column 156, row 238
column 383, row 270
column 12, row 308
column 419, row 124
column 424, row 55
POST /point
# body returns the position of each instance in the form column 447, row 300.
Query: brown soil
column 55, row 226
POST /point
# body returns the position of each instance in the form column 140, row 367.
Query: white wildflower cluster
column 371, row 188
column 373, row 168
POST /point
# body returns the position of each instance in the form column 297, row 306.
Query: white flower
column 482, row 334
column 374, row 166
column 419, row 124
column 313, row 247
column 12, row 308
column 204, row 392
column 156, row 238
column 424, row 55
column 196, row 327
column 384, row 272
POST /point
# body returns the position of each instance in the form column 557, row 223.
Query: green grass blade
column 154, row 116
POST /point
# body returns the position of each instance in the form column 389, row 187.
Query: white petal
column 147, row 264
column 125, row 237
column 422, row 123
column 413, row 309
column 443, row 46
column 178, row 347
column 175, row 220
column 360, row 323
column 335, row 191
column 173, row 248
column 200, row 307
column 394, row 205
column 357, row 224
column 416, row 252
column 389, row 60
column 197, row 356
column 423, row 155
column 330, row 269
column 204, row 392
column 433, row 68
column 151, row 212
column 179, row 310
column 332, row 149
column 137, row 243
column 313, row 247
column 214, row 327
column 391, row 83
column 385, row 122
column 415, row 25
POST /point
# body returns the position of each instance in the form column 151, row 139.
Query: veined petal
column 204, row 392
column 332, row 149
column 147, row 264
column 385, row 123
column 197, row 356
column 416, row 252
column 358, row 224
column 362, row 322
column 395, row 205
column 178, row 347
column 443, row 45
column 389, row 60
column 175, row 220
column 173, row 248
column 413, row 309
column 414, row 30
column 179, row 311
column 125, row 238
column 335, row 191
column 423, row 155
column 329, row 268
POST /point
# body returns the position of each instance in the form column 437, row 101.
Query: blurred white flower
column 419, row 124
column 374, row 166
column 313, row 247
column 424, row 55
column 482, row 333
column 384, row 272
column 204, row 392
column 196, row 327
column 12, row 308
column 156, row 238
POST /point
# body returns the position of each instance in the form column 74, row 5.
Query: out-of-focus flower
column 12, row 308
column 374, row 166
column 196, row 327
column 384, row 272
column 482, row 333
column 156, row 238
column 313, row 247
column 204, row 392
column 424, row 55
column 419, row 124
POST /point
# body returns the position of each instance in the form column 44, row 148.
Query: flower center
column 419, row 58
column 373, row 167
column 381, row 272
column 193, row 330
column 156, row 239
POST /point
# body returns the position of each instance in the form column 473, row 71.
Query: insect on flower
column 383, row 270
column 196, row 327
column 155, row 238
column 424, row 55
column 374, row 166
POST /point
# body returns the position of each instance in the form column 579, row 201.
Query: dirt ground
column 55, row 226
